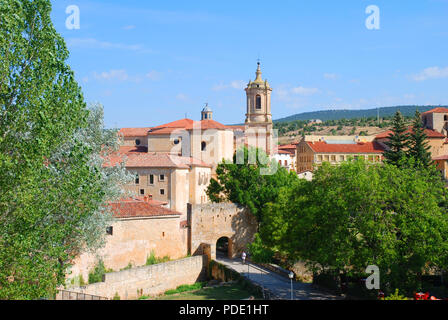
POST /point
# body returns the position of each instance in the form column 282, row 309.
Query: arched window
column 258, row 102
column 203, row 146
column 137, row 142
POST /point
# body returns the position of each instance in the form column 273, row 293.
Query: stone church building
column 168, row 212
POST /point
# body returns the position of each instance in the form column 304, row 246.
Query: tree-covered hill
column 351, row 114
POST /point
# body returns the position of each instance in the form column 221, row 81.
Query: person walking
column 243, row 256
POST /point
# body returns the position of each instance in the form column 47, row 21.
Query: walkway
column 277, row 284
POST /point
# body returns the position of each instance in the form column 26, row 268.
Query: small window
column 151, row 179
column 205, row 116
column 109, row 230
column 203, row 145
column 137, row 179
column 142, row 192
column 162, row 191
column 258, row 102
column 176, row 141
column 162, row 177
column 137, row 142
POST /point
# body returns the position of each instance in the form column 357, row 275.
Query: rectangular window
column 137, row 179
column 142, row 192
column 162, row 177
column 151, row 179
column 162, row 191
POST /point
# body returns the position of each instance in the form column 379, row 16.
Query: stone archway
column 224, row 247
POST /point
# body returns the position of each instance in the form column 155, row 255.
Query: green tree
column 244, row 182
column 398, row 141
column 354, row 215
column 418, row 146
column 53, row 186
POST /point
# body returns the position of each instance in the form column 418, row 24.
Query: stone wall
column 149, row 280
column 209, row 222
column 132, row 242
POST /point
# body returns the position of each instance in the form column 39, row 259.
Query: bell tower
column 258, row 114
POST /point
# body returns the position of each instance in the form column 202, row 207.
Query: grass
column 232, row 291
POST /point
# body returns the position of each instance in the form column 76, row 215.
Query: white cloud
column 119, row 75
column 182, row 97
column 153, row 75
column 91, row 43
column 304, row 91
column 330, row 76
column 129, row 27
column 431, row 73
column 235, row 84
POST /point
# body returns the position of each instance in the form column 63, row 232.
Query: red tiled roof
column 131, row 149
column 429, row 133
column 360, row 147
column 153, row 160
column 134, row 132
column 288, row 146
column 187, row 124
column 242, row 128
column 444, row 157
column 131, row 209
column 437, row 110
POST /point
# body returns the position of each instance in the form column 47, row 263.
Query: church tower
column 207, row 113
column 258, row 115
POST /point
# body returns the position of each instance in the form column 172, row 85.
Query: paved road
column 277, row 284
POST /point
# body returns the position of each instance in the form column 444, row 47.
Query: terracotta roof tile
column 360, row 147
column 134, row 132
column 131, row 209
column 437, row 110
column 187, row 124
column 429, row 133
column 153, row 160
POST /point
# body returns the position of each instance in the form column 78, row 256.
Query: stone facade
column 149, row 280
column 132, row 241
column 209, row 222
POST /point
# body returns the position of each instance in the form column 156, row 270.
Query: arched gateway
column 223, row 226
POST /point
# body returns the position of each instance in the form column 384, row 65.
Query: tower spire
column 258, row 73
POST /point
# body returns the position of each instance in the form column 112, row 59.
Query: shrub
column 396, row 296
column 98, row 273
column 152, row 259
column 116, row 296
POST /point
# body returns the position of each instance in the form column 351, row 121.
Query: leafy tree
column 357, row 214
column 398, row 141
column 53, row 186
column 418, row 145
column 244, row 183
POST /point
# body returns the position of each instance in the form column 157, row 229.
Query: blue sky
column 151, row 62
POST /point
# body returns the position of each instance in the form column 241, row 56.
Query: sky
column 152, row 62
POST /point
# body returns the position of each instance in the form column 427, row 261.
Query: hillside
column 325, row 115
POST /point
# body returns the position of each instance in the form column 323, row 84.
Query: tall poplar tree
column 53, row 187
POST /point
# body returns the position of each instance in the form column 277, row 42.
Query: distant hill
column 350, row 114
